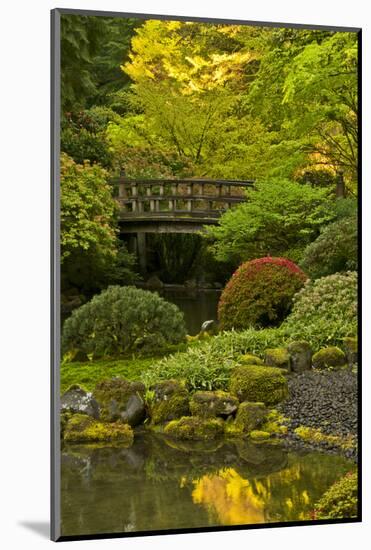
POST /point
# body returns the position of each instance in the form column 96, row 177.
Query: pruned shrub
column 260, row 293
column 327, row 307
column 122, row 320
column 334, row 250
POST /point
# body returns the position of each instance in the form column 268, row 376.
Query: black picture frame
column 55, row 272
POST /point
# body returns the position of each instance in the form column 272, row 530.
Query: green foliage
column 92, row 49
column 259, row 293
column 88, row 374
column 207, row 365
column 259, row 384
column 340, row 500
column 328, row 306
column 306, row 93
column 83, row 136
column 279, row 215
column 80, row 37
column 120, row 320
column 88, row 233
column 334, row 250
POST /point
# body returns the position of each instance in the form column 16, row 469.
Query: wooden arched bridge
column 173, row 206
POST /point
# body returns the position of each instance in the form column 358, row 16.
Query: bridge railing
column 191, row 197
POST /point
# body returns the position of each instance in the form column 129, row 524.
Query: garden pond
column 161, row 484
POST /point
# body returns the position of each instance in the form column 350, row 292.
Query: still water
column 161, row 484
column 197, row 305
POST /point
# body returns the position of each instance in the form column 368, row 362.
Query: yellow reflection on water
column 230, row 496
column 232, row 499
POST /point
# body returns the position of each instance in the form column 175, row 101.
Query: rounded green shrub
column 259, row 384
column 340, row 500
column 334, row 250
column 260, row 293
column 122, row 320
column 327, row 307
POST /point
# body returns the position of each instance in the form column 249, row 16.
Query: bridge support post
column 142, row 252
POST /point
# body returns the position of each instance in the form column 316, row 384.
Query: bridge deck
column 175, row 205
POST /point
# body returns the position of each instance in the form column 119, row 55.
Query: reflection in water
column 230, row 498
column 158, row 484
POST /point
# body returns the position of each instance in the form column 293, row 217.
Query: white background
column 24, row 272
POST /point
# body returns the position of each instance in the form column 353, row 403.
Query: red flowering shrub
column 260, row 293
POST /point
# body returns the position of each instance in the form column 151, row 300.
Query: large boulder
column 331, row 356
column 196, row 428
column 208, row 404
column 250, row 416
column 77, row 400
column 120, row 399
column 81, row 428
column 170, row 401
column 300, row 356
column 259, row 384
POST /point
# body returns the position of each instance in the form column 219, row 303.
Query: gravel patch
column 325, row 400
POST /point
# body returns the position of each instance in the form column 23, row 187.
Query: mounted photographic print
column 205, row 249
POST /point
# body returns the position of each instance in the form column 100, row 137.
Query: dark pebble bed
column 324, row 400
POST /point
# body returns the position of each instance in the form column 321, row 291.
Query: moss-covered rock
column 120, row 399
column 208, row 404
column 250, row 359
column 81, row 428
column 175, row 406
column 350, row 346
column 329, row 357
column 77, row 400
column 194, row 427
column 250, row 416
column 166, row 388
column 277, row 357
column 259, row 435
column 170, row 400
column 256, row 384
column 300, row 356
column 274, row 423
